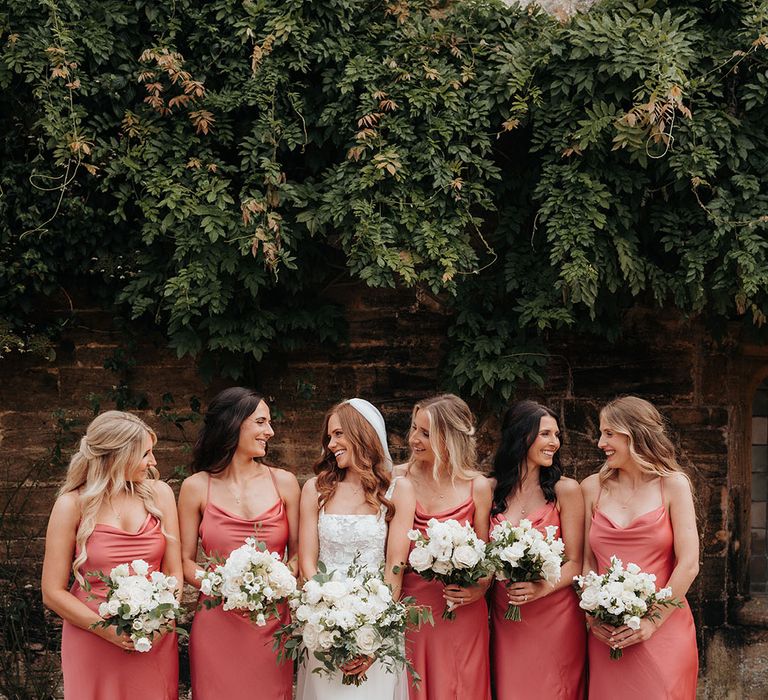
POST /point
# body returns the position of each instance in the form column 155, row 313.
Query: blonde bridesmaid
column 528, row 483
column 452, row 656
column 232, row 495
column 111, row 510
column 641, row 510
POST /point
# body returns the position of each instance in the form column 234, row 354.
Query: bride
column 353, row 507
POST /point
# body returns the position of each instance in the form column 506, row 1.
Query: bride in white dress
column 354, row 508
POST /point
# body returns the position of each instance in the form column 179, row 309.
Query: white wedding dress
column 342, row 537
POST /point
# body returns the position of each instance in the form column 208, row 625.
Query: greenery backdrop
column 213, row 166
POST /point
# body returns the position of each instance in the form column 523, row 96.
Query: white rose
column 334, row 590
column 465, row 556
column 310, row 636
column 142, row 644
column 589, row 599
column 326, row 638
column 633, row 622
column 205, row 587
column 413, row 535
column 120, row 571
column 140, row 567
column 442, row 567
column 420, row 559
column 104, row 610
column 367, row 640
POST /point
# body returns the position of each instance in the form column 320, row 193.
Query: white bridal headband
column 372, row 414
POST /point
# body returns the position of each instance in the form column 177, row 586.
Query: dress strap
column 274, row 483
column 208, row 490
column 391, row 488
column 597, row 501
column 661, row 485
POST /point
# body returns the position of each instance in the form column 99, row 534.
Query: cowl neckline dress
column 95, row 669
column 554, row 623
column 665, row 667
column 451, row 657
column 231, row 657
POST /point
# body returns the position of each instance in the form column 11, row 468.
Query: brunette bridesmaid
column 452, row 656
column 232, row 495
column 642, row 511
column 528, row 484
column 111, row 510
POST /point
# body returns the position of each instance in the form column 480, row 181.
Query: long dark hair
column 220, row 434
column 518, row 432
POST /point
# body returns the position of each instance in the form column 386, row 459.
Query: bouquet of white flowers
column 448, row 552
column 622, row 596
column 337, row 618
column 523, row 553
column 252, row 579
column 138, row 604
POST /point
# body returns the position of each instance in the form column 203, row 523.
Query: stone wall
column 392, row 357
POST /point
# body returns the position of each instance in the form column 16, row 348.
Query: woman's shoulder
column 566, row 486
column 677, row 484
column 400, row 470
column 310, row 485
column 591, row 484
column 196, row 483
column 284, row 477
column 402, row 487
column 67, row 506
column 482, row 485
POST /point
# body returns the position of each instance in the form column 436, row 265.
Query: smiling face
column 139, row 472
column 614, row 445
column 547, row 442
column 338, row 443
column 255, row 432
column 419, row 439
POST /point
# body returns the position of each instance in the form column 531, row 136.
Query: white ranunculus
column 120, row 571
column 309, row 636
column 140, row 567
column 142, row 644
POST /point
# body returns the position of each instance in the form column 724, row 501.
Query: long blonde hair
column 649, row 444
column 367, row 455
column 111, row 447
column 451, row 435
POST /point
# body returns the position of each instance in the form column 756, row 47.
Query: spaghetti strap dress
column 554, row 623
column 451, row 657
column 230, row 657
column 95, row 669
column 664, row 667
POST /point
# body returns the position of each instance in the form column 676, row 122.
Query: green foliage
column 215, row 167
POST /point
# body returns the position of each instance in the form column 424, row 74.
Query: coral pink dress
column 452, row 656
column 666, row 666
column 230, row 657
column 554, row 623
column 95, row 669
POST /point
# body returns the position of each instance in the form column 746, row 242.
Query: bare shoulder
column 591, row 485
column 285, row 477
column 66, row 509
column 400, row 470
column 566, row 487
column 162, row 489
column 483, row 486
column 677, row 485
column 404, row 489
column 310, row 486
column 195, row 485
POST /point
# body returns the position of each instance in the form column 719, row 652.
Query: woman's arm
column 590, row 488
column 398, row 544
column 171, row 565
column 191, row 503
column 482, row 495
column 309, row 545
column 57, row 566
column 290, row 493
column 571, row 504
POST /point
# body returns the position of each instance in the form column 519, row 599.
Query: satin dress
column 95, row 669
column 551, row 638
column 451, row 657
column 231, row 657
column 665, row 667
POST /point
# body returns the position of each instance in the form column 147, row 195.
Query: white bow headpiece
column 372, row 414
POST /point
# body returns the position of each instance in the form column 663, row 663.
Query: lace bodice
column 342, row 536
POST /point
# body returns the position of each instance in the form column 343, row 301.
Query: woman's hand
column 601, row 630
column 465, row 595
column 527, row 591
column 624, row 636
column 109, row 634
column 357, row 666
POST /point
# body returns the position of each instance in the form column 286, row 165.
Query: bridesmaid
column 528, row 484
column 111, row 510
column 354, row 510
column 233, row 495
column 452, row 656
column 642, row 511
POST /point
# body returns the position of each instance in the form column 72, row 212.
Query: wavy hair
column 112, row 446
column 451, row 435
column 646, row 431
column 519, row 429
column 218, row 438
column 367, row 457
